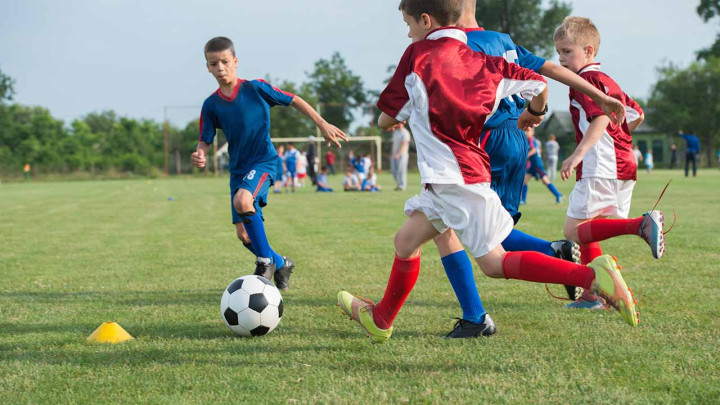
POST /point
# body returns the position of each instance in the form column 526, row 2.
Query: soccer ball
column 251, row 306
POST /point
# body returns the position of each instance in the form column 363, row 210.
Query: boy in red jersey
column 604, row 160
column 446, row 91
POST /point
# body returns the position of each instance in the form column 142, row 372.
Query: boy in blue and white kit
column 241, row 108
column 291, row 158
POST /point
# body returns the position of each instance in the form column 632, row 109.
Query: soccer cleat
column 609, row 285
column 651, row 230
column 266, row 270
column 466, row 329
column 581, row 303
column 282, row 275
column 360, row 311
column 568, row 250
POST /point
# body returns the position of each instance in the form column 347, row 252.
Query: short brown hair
column 581, row 31
column 219, row 44
column 446, row 12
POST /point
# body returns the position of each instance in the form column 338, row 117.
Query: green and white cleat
column 360, row 311
column 609, row 284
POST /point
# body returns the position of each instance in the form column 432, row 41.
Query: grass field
column 75, row 254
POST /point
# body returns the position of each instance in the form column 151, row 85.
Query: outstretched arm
column 612, row 107
column 595, row 131
column 331, row 133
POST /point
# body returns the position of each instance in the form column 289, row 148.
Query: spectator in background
column 330, row 161
column 638, row 155
column 692, row 149
column 322, row 184
column 649, row 163
column 552, row 148
column 279, row 177
column 351, row 182
column 400, row 155
column 311, row 155
column 302, row 169
column 673, row 156
column 26, row 171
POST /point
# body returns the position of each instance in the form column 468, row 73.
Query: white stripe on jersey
column 600, row 159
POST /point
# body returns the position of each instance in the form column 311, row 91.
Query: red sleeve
column 605, row 84
column 395, row 96
column 516, row 79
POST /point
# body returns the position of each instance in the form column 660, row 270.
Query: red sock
column 601, row 229
column 403, row 276
column 541, row 268
column 589, row 251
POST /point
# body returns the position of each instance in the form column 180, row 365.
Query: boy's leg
column 458, row 267
column 377, row 319
column 601, row 276
column 649, row 227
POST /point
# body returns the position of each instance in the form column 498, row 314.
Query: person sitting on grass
column 351, row 182
column 321, row 181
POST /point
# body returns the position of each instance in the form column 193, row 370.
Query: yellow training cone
column 109, row 332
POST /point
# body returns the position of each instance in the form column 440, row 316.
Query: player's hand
column 569, row 165
column 527, row 120
column 614, row 109
column 332, row 134
column 198, row 158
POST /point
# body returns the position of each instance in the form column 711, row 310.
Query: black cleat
column 282, row 275
column 570, row 251
column 467, row 329
column 266, row 270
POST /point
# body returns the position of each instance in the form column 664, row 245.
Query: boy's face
column 223, row 66
column 572, row 55
column 418, row 29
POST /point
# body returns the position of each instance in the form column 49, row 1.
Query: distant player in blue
column 692, row 149
column 536, row 168
column 291, row 158
column 505, row 143
column 241, row 109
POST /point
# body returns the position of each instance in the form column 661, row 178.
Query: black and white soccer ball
column 251, row 306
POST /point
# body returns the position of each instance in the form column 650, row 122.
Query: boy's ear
column 425, row 20
column 589, row 51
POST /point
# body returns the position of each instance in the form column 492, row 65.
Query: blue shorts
column 291, row 174
column 507, row 147
column 536, row 167
column 257, row 181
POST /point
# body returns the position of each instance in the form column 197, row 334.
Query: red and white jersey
column 612, row 156
column 447, row 91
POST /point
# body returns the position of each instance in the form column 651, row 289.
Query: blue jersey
column 498, row 44
column 245, row 120
column 693, row 143
column 291, row 158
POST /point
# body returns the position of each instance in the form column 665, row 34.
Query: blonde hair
column 581, row 31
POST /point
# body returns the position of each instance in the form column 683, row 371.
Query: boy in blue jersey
column 242, row 110
column 291, row 158
column 536, row 168
column 507, row 147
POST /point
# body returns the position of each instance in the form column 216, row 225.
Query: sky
column 137, row 57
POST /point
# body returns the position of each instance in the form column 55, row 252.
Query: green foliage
column 689, row 98
column 6, row 87
column 528, row 22
column 80, row 253
column 335, row 86
column 707, row 10
column 287, row 122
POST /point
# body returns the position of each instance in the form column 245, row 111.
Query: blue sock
column 553, row 190
column 256, row 231
column 279, row 261
column 460, row 273
column 524, row 193
column 249, row 247
column 519, row 241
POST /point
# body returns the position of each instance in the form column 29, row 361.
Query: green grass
column 75, row 254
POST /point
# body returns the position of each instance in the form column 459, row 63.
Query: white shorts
column 594, row 197
column 473, row 211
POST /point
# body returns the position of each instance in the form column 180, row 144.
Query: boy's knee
column 403, row 247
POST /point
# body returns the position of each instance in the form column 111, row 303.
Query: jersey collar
column 593, row 67
column 474, row 29
column 235, row 92
column 448, row 32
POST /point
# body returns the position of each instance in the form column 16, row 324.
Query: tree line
column 103, row 142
